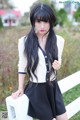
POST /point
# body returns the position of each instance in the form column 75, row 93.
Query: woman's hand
column 17, row 94
column 56, row 65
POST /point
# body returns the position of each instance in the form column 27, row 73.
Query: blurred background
column 15, row 23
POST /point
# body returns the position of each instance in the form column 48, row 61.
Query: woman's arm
column 22, row 64
column 21, row 78
column 56, row 65
column 60, row 44
column 20, row 91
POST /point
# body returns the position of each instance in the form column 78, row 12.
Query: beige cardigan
column 41, row 68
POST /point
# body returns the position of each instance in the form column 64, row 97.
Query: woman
column 40, row 56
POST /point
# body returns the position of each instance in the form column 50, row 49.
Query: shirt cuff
column 21, row 72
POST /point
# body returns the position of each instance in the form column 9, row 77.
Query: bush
column 62, row 17
column 77, row 15
column 1, row 24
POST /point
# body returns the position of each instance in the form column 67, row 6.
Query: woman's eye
column 45, row 21
column 38, row 21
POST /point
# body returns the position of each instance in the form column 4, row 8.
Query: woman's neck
column 42, row 38
column 42, row 41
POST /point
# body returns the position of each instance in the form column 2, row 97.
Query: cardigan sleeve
column 22, row 63
column 60, row 45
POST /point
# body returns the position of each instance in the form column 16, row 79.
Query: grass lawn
column 71, row 95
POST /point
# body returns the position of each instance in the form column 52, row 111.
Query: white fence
column 65, row 85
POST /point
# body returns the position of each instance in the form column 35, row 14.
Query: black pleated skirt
column 45, row 100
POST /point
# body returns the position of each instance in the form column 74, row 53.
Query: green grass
column 76, row 116
column 71, row 94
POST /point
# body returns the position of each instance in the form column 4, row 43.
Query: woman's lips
column 42, row 30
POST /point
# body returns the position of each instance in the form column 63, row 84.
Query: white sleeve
column 60, row 44
column 22, row 63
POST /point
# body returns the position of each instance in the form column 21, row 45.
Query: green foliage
column 62, row 16
column 70, row 95
column 1, row 24
column 76, row 116
column 45, row 1
column 77, row 15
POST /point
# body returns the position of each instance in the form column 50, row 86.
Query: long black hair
column 40, row 12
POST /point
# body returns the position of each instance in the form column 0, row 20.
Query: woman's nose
column 42, row 25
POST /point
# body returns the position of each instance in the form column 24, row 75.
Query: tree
column 77, row 15
column 1, row 24
column 62, row 16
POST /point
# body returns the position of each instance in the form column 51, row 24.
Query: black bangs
column 42, row 12
column 41, row 16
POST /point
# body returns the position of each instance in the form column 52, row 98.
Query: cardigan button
column 45, row 56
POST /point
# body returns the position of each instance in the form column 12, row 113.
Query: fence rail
column 65, row 85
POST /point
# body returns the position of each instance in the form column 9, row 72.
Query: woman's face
column 41, row 27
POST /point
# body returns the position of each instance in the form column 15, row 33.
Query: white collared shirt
column 41, row 68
